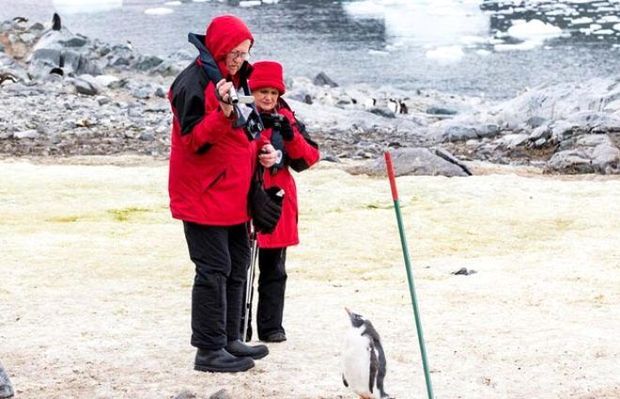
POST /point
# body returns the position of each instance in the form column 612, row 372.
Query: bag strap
column 258, row 174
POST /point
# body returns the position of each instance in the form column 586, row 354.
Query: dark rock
column 84, row 87
column 606, row 159
column 147, row 63
column 570, row 162
column 160, row 92
column 459, row 133
column 411, row 161
column 488, row 130
column 186, row 394
column 323, row 80
column 384, row 112
column 75, row 41
column 440, row 111
column 221, row 394
column 142, row 92
column 535, row 121
column 463, row 272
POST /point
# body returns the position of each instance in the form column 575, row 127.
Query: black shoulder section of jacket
column 187, row 96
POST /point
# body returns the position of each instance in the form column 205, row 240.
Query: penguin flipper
column 374, row 367
column 382, row 369
column 344, row 381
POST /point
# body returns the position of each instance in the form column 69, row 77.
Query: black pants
column 271, row 287
column 221, row 255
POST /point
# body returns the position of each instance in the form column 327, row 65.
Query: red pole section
column 390, row 171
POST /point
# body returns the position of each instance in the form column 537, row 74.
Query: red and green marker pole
column 414, row 300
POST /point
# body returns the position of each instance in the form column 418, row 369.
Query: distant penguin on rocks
column 56, row 24
column 364, row 365
column 393, row 105
column 59, row 69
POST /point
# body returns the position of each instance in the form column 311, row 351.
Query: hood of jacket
column 224, row 33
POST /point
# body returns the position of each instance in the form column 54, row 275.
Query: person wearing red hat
column 297, row 152
column 211, row 166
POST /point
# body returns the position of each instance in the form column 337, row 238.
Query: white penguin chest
column 357, row 362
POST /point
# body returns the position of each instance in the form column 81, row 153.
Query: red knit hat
column 267, row 74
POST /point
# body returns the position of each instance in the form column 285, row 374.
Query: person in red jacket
column 211, row 166
column 295, row 151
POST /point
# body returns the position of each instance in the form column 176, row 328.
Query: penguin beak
column 349, row 312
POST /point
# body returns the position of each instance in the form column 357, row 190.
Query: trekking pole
column 414, row 300
column 249, row 284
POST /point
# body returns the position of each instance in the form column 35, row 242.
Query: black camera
column 233, row 98
column 272, row 120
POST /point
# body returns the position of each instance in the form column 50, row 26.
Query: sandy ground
column 95, row 285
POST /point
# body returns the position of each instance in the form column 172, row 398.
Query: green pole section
column 414, row 299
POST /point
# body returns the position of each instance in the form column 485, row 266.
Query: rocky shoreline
column 64, row 94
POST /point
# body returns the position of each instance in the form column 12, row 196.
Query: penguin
column 59, row 69
column 393, row 105
column 7, row 76
column 364, row 365
column 56, row 24
column 403, row 108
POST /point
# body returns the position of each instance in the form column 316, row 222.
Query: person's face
column 266, row 98
column 236, row 57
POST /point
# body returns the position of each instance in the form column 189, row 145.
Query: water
column 458, row 46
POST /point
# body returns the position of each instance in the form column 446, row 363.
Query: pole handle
column 391, row 176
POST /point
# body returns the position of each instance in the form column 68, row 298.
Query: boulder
column 414, row 161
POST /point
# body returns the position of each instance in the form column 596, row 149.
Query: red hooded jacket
column 211, row 163
column 301, row 153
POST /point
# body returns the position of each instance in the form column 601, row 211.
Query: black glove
column 286, row 130
column 268, row 119
column 266, row 208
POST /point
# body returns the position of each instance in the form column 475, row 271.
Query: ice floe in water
column 85, row 6
column 534, row 30
column 250, row 3
column 435, row 22
column 158, row 11
column 446, row 55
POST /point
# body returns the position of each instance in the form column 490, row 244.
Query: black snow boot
column 222, row 361
column 239, row 348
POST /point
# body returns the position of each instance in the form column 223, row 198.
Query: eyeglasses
column 239, row 54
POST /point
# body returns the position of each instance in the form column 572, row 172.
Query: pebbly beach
column 110, row 99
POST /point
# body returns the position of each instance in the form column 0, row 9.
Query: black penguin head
column 357, row 320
